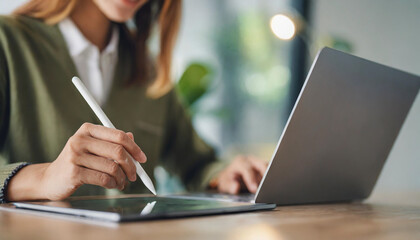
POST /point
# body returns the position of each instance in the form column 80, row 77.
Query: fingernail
column 143, row 156
column 132, row 177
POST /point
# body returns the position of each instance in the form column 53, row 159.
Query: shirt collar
column 112, row 46
column 77, row 42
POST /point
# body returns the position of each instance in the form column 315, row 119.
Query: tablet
column 141, row 208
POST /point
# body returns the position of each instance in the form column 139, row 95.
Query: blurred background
column 240, row 65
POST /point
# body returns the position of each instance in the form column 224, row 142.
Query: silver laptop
column 334, row 145
column 340, row 132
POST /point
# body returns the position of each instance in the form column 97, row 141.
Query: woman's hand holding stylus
column 85, row 159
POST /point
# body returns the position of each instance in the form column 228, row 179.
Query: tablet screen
column 138, row 208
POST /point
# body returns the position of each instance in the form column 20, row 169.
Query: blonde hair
column 166, row 13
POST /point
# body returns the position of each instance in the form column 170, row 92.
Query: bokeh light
column 283, row 27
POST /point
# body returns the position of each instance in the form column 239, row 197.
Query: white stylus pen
column 107, row 123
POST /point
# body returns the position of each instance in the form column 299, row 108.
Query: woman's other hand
column 245, row 172
column 94, row 155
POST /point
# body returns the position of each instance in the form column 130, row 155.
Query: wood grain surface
column 393, row 216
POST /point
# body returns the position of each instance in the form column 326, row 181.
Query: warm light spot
column 255, row 232
column 283, row 27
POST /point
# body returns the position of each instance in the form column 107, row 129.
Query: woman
column 51, row 143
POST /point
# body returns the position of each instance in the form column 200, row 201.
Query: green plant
column 194, row 83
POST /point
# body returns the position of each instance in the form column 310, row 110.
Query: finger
column 258, row 177
column 115, row 136
column 104, row 165
column 89, row 176
column 248, row 175
column 231, row 186
column 112, row 151
column 258, row 165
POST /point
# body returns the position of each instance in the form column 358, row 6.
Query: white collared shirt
column 96, row 69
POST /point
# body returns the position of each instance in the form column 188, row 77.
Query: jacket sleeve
column 7, row 169
column 185, row 154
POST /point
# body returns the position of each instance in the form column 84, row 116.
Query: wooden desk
column 378, row 218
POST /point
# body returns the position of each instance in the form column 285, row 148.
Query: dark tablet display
column 142, row 208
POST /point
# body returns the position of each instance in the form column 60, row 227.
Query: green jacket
column 40, row 109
